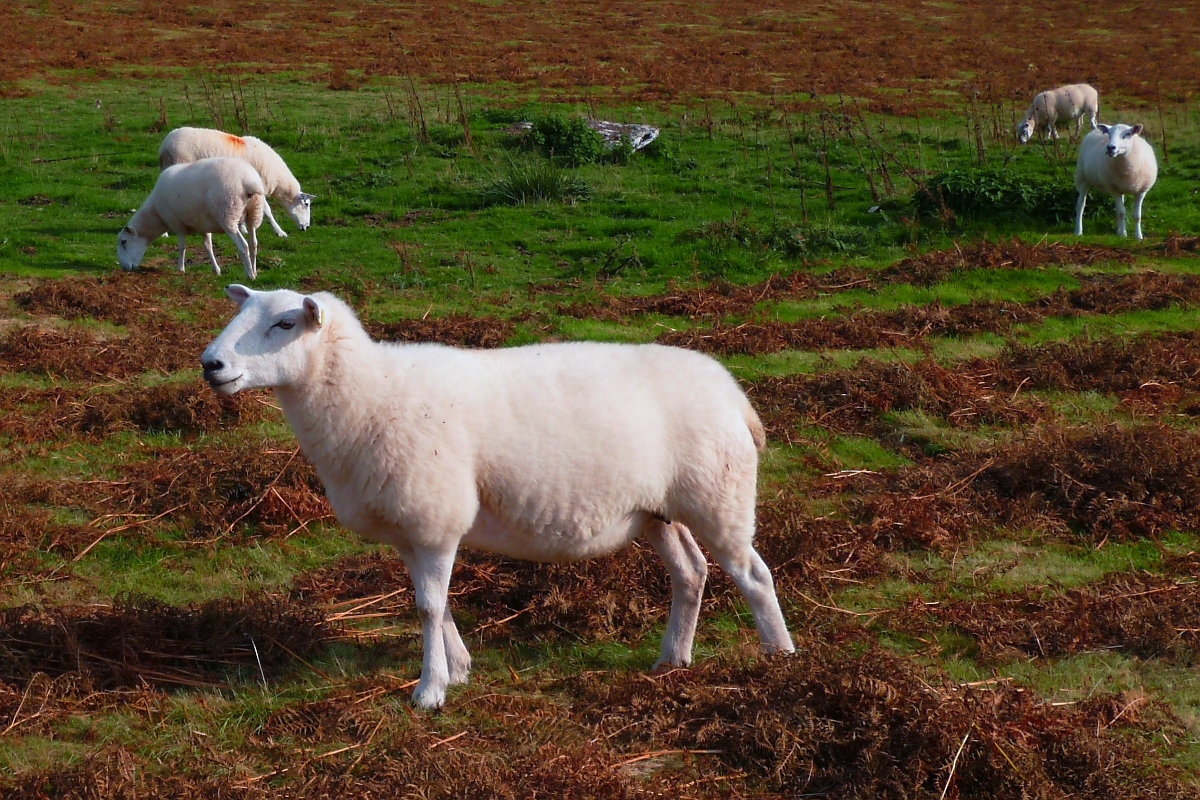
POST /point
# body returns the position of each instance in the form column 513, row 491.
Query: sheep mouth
column 219, row 385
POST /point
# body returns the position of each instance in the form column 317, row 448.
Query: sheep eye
column 285, row 324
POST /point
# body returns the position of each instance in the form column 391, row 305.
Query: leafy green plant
column 980, row 193
column 567, row 140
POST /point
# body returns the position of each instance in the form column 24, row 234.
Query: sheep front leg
column 1120, row 204
column 208, row 248
column 1137, row 214
column 1079, row 204
column 430, row 571
column 182, row 252
column 688, row 569
column 271, row 219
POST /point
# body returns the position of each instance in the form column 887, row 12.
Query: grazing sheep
column 1117, row 160
column 553, row 452
column 1063, row 104
column 212, row 194
column 185, row 145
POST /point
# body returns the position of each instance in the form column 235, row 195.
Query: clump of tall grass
column 535, row 181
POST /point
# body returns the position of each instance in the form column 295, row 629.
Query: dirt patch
column 909, row 326
column 1150, row 616
column 35, row 415
column 717, row 300
column 119, row 298
column 673, row 52
column 1111, row 365
column 140, row 641
column 26, row 531
column 932, row 267
column 459, row 330
column 1110, row 481
column 161, row 345
column 853, row 400
column 835, row 723
column 210, row 491
column 477, row 767
column 1098, row 482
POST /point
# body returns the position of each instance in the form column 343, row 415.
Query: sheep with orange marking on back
column 185, row 145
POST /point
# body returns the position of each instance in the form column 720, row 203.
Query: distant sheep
column 1115, row 159
column 185, row 145
column 1064, row 104
column 552, row 452
column 210, row 195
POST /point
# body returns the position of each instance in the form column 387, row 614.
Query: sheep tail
column 757, row 431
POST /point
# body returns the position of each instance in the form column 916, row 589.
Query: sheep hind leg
column 182, row 252
column 243, row 248
column 252, row 240
column 731, row 547
column 1122, row 230
column 688, row 569
column 458, row 660
column 208, row 248
column 430, row 570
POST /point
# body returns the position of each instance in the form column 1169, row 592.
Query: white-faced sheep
column 210, row 195
column 1116, row 160
column 1064, row 104
column 185, row 145
column 553, row 452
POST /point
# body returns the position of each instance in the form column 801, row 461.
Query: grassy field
column 980, row 497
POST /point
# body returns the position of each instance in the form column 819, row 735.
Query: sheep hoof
column 282, row 234
column 460, row 673
column 427, row 698
column 665, row 664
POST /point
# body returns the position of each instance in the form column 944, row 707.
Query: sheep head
column 1120, row 138
column 131, row 248
column 301, row 210
column 1025, row 130
column 268, row 344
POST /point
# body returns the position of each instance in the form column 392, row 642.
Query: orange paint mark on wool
column 236, row 141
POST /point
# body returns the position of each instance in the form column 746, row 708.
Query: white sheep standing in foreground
column 185, row 145
column 213, row 194
column 1115, row 159
column 552, row 452
column 1064, row 104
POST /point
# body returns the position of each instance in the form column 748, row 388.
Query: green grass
column 405, row 228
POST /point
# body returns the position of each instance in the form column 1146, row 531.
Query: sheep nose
column 212, row 365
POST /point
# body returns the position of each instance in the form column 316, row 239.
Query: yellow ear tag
column 321, row 317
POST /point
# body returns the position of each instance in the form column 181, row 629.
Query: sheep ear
column 315, row 312
column 1137, row 129
column 237, row 293
column 1103, row 129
